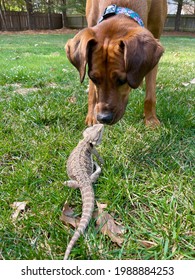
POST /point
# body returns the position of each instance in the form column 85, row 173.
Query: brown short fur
column 119, row 54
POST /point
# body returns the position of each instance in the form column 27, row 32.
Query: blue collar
column 115, row 10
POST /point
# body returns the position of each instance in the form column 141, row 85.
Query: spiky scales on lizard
column 80, row 169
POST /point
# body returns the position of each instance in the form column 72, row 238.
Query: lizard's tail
column 87, row 210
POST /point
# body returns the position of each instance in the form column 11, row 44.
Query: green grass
column 148, row 176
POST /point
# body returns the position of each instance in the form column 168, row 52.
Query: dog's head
column 115, row 65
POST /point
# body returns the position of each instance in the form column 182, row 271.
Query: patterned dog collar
column 115, row 10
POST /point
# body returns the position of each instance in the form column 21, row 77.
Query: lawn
column 148, row 177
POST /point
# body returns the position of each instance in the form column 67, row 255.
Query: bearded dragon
column 80, row 169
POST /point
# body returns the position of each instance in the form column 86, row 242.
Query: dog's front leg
column 91, row 118
column 150, row 100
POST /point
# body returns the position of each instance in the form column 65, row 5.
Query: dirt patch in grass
column 178, row 33
column 23, row 91
column 34, row 32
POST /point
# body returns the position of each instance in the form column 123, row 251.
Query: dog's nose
column 105, row 118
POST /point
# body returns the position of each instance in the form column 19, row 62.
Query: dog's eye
column 121, row 82
column 95, row 80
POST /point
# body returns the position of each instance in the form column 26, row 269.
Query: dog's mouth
column 105, row 117
column 109, row 117
column 110, row 114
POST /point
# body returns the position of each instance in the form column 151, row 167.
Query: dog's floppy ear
column 77, row 50
column 141, row 53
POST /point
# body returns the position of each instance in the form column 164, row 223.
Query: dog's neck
column 113, row 10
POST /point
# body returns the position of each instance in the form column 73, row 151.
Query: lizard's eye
column 99, row 138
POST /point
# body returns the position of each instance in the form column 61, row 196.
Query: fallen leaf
column 72, row 99
column 192, row 82
column 147, row 244
column 18, row 207
column 67, row 216
column 176, row 54
column 185, row 84
column 53, row 85
column 190, row 233
column 108, row 225
column 55, row 54
column 101, row 207
column 14, row 58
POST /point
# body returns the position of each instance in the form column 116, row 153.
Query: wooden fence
column 16, row 21
column 76, row 21
column 187, row 22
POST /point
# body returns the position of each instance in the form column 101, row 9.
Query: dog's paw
column 152, row 122
column 90, row 120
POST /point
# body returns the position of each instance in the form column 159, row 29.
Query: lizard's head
column 94, row 134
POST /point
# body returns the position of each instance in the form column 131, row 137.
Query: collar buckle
column 108, row 12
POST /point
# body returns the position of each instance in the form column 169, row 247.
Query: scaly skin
column 80, row 167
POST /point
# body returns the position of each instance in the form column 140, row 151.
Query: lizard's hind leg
column 72, row 184
column 96, row 173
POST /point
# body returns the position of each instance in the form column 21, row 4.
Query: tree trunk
column 3, row 15
column 50, row 25
column 64, row 15
column 178, row 15
column 3, row 20
column 3, row 5
column 29, row 8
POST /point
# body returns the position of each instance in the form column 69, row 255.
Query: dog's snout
column 105, row 118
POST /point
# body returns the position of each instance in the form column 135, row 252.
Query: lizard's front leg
column 96, row 173
column 96, row 154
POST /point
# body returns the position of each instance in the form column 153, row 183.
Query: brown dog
column 119, row 52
